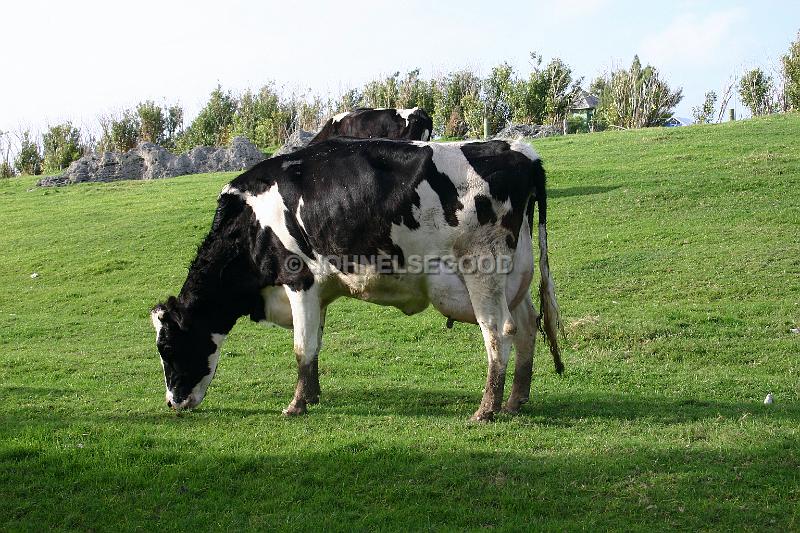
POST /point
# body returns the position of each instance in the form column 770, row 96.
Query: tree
column 755, row 90
column 381, row 93
column 413, row 91
column 152, row 122
column 213, row 125
column 545, row 97
column 61, row 145
column 498, row 93
column 263, row 118
column 173, row 125
column 454, row 91
column 29, row 158
column 705, row 112
column 791, row 75
column 634, row 98
column 347, row 101
column 6, row 169
column 120, row 133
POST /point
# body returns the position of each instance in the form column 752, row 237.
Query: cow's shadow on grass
column 350, row 480
column 551, row 409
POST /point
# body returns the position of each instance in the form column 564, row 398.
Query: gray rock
column 297, row 140
column 535, row 131
column 150, row 161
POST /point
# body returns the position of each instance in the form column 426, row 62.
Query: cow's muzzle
column 179, row 405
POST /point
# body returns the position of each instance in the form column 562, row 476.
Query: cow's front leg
column 307, row 320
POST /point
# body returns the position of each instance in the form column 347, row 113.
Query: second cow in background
column 366, row 123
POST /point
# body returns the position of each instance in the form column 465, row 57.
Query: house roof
column 583, row 100
column 683, row 121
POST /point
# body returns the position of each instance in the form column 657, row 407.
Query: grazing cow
column 354, row 218
column 365, row 123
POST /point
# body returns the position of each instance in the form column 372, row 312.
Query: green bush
column 173, row 125
column 29, row 159
column 213, row 125
column 756, row 92
column 577, row 124
column 62, row 145
column 705, row 113
column 791, row 74
column 152, row 122
column 262, row 118
column 498, row 90
column 121, row 133
column 455, row 91
column 634, row 98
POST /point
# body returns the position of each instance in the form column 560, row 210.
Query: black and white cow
column 366, row 123
column 281, row 229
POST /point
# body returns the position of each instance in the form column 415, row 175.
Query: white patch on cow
column 297, row 214
column 426, row 135
column 525, row 149
column 306, row 319
column 270, row 212
column 155, row 318
column 405, row 113
column 228, row 189
column 340, row 116
column 451, row 161
column 432, row 237
column 277, row 309
column 287, row 164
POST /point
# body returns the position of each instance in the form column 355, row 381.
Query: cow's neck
column 217, row 290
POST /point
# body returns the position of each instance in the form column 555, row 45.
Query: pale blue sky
column 76, row 60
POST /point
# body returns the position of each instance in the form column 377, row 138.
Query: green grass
column 676, row 257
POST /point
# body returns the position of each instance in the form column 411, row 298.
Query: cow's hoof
column 482, row 416
column 294, row 409
column 513, row 405
column 314, row 400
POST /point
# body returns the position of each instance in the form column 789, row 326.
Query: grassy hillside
column 676, row 257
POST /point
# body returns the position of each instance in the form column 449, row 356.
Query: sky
column 80, row 59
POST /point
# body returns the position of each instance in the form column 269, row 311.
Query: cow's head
column 189, row 355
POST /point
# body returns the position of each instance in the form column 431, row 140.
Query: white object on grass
column 769, row 399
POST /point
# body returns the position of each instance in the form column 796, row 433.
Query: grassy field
column 676, row 254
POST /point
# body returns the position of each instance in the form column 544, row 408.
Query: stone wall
column 149, row 161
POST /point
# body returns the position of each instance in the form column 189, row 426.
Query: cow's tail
column 550, row 319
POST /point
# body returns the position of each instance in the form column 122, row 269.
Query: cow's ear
column 174, row 312
column 157, row 315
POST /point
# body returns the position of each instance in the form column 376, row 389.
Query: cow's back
column 376, row 197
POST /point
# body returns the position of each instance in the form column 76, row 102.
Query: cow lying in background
column 351, row 218
column 365, row 123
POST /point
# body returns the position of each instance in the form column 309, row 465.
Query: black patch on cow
column 511, row 175
column 484, row 210
column 447, row 192
column 405, row 214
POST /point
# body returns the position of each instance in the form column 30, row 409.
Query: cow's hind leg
column 488, row 298
column 524, row 345
column 307, row 320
